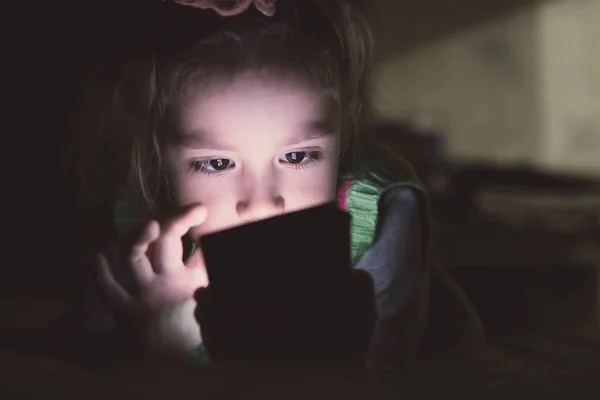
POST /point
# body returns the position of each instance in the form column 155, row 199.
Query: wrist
column 198, row 356
column 173, row 331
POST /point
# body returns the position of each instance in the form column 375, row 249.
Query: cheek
column 217, row 194
column 311, row 187
column 193, row 189
column 187, row 189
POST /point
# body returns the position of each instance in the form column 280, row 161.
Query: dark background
column 52, row 47
column 43, row 58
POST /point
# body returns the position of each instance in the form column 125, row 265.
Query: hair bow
column 227, row 8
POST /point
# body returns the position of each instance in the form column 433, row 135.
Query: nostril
column 241, row 207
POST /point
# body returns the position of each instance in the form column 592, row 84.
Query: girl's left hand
column 231, row 7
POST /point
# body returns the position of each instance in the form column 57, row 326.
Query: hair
column 326, row 44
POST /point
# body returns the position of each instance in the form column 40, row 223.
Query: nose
column 255, row 211
column 260, row 201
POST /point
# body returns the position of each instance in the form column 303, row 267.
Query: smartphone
column 268, row 279
column 285, row 248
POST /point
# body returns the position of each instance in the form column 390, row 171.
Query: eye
column 295, row 157
column 212, row 166
column 218, row 164
column 299, row 159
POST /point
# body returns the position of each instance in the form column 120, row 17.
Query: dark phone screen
column 314, row 241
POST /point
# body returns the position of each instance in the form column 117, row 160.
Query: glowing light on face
column 254, row 147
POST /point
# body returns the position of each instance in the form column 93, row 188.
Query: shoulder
column 376, row 171
column 379, row 184
column 374, row 161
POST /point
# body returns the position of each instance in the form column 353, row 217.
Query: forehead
column 258, row 103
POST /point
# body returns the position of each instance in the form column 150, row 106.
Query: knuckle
column 171, row 227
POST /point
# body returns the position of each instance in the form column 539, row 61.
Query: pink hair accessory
column 228, row 8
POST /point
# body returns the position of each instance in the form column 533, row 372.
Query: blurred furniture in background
column 522, row 243
column 540, row 224
column 525, row 246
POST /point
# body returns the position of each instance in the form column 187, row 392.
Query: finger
column 168, row 249
column 114, row 293
column 197, row 269
column 190, row 217
column 139, row 260
column 141, row 271
column 149, row 234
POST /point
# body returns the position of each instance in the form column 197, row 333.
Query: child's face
column 254, row 147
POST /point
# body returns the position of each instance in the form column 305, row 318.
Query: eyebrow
column 197, row 139
column 200, row 139
column 314, row 130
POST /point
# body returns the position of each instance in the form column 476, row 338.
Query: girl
column 233, row 120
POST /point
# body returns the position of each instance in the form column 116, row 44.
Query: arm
column 396, row 262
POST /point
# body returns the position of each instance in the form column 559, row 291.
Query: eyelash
column 313, row 157
column 199, row 166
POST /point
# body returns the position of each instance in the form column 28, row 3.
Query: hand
column 330, row 325
column 160, row 305
column 233, row 7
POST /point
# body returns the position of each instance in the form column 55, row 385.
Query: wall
column 478, row 84
column 518, row 87
column 569, row 61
